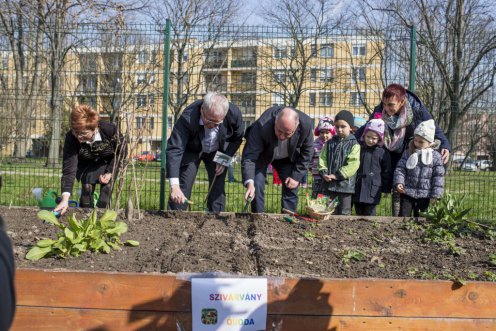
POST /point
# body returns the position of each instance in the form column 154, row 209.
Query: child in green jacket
column 339, row 161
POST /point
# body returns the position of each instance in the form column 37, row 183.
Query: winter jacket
column 80, row 155
column 340, row 157
column 420, row 114
column 423, row 181
column 318, row 144
column 374, row 175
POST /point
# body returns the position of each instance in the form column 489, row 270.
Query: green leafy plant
column 446, row 220
column 491, row 276
column 492, row 259
column 352, row 255
column 309, row 235
column 76, row 237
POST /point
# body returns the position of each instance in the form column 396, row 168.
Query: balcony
column 248, row 111
column 216, row 63
column 218, row 87
column 244, row 62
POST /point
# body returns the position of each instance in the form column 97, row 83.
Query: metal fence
column 122, row 71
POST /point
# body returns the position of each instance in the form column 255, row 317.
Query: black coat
column 261, row 141
column 7, row 290
column 80, row 156
column 185, row 143
column 374, row 176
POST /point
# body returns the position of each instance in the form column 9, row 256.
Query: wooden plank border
column 45, row 296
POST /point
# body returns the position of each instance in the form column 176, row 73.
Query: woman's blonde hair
column 84, row 118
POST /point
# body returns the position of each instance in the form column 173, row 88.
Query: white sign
column 229, row 304
column 222, row 159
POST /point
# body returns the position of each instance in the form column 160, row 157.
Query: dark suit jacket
column 261, row 141
column 185, row 142
column 7, row 289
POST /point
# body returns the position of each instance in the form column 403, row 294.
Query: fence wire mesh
column 119, row 70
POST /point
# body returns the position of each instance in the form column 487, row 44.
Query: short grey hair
column 215, row 104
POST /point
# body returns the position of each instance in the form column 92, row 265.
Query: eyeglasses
column 282, row 133
column 88, row 134
column 208, row 121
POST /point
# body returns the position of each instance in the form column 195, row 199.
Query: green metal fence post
column 164, row 113
column 413, row 57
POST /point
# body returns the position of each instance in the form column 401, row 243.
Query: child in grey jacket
column 419, row 175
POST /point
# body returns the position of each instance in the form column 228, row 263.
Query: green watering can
column 49, row 201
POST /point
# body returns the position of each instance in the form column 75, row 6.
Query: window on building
column 312, row 98
column 279, row 76
column 116, row 103
column 277, row 99
column 151, row 99
column 142, row 56
column 325, row 75
column 153, row 56
column 141, row 100
column 169, row 121
column 313, row 74
column 247, row 123
column 152, row 122
column 248, row 77
column 358, row 74
column 280, row 53
column 292, row 52
column 140, row 78
column 325, row 98
column 314, row 50
column 357, row 98
column 140, row 122
column 359, row 50
column 5, row 61
column 152, row 78
column 327, row 50
column 90, row 84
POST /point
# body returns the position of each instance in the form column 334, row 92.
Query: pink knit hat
column 375, row 125
column 325, row 123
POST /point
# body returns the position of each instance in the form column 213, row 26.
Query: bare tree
column 288, row 54
column 22, row 31
column 197, row 29
column 457, row 44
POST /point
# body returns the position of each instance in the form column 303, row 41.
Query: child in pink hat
column 374, row 175
column 324, row 131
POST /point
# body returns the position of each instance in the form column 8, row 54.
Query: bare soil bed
column 265, row 245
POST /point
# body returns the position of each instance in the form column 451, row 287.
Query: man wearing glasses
column 282, row 136
column 205, row 127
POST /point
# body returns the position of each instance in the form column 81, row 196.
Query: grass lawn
column 19, row 179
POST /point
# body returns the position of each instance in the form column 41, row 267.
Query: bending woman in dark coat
column 91, row 150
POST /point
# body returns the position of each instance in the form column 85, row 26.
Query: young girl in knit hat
column 324, row 131
column 375, row 174
column 419, row 175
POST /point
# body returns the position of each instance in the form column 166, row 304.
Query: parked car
column 469, row 166
column 485, row 165
column 145, row 156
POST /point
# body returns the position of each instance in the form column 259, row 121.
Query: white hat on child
column 426, row 130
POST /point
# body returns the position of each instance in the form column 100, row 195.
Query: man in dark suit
column 7, row 291
column 282, row 136
column 205, row 127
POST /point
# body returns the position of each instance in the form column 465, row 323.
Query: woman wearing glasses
column 91, row 149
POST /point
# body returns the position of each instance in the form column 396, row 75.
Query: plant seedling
column 90, row 234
